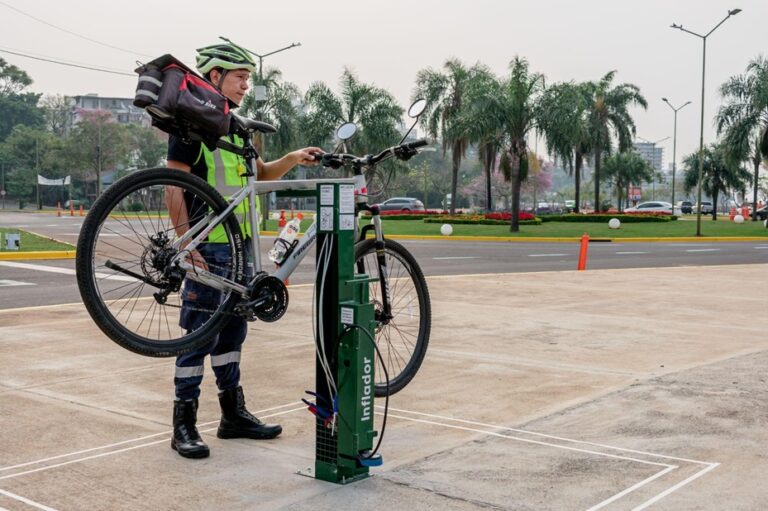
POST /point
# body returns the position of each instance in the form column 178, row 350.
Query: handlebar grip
column 417, row 143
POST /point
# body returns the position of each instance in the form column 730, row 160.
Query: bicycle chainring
column 269, row 299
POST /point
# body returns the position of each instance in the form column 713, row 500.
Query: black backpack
column 181, row 102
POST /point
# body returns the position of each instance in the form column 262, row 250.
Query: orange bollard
column 291, row 212
column 58, row 209
column 71, row 209
column 583, row 252
column 281, row 223
column 81, row 210
column 745, row 212
column 732, row 214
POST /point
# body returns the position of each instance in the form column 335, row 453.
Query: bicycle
column 135, row 254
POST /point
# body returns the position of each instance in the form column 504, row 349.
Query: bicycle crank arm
column 146, row 280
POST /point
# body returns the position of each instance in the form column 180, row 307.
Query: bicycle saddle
column 250, row 125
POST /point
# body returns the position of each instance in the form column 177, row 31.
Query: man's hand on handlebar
column 309, row 156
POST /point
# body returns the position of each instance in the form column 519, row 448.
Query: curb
column 52, row 254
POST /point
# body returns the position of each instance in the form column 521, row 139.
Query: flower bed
column 479, row 220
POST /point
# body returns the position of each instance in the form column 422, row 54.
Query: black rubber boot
column 238, row 422
column 186, row 440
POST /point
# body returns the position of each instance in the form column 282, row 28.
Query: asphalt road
column 30, row 283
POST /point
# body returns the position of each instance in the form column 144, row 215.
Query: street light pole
column 732, row 12
column 674, row 147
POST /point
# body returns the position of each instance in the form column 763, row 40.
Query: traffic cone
column 583, row 252
column 58, row 209
column 81, row 210
column 281, row 223
column 71, row 209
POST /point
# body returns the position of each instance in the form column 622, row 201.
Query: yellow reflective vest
column 226, row 173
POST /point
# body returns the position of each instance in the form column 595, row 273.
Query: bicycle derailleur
column 267, row 299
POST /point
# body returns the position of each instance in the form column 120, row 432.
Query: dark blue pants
column 225, row 347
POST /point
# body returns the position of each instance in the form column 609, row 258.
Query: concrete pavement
column 554, row 390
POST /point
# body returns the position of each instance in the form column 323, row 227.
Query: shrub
column 476, row 220
column 601, row 217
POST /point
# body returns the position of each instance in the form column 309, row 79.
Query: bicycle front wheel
column 403, row 335
column 128, row 284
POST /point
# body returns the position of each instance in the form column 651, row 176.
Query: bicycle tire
column 404, row 277
column 91, row 277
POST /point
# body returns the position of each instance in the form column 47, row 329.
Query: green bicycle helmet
column 227, row 56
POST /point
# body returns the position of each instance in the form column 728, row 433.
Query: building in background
column 650, row 153
column 122, row 109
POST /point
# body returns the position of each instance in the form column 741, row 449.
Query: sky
column 387, row 43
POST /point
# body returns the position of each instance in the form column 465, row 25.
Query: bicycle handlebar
column 403, row 152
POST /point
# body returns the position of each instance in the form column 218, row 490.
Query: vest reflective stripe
column 227, row 358
column 224, row 175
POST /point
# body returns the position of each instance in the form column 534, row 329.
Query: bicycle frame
column 198, row 233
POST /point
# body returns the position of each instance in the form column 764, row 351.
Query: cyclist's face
column 235, row 84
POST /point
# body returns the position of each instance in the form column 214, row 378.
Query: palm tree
column 564, row 120
column 482, row 83
column 743, row 119
column 372, row 109
column 279, row 109
column 608, row 114
column 625, row 169
column 719, row 173
column 445, row 94
column 511, row 109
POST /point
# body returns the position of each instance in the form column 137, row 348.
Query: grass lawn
column 681, row 228
column 32, row 242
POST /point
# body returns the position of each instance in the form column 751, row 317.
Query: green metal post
column 343, row 311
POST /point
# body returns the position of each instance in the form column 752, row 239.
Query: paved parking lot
column 552, row 390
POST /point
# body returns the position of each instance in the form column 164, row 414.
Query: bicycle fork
column 381, row 261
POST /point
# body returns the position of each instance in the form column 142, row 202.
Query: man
column 228, row 67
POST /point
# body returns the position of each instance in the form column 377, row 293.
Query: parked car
column 686, row 207
column 401, row 204
column 706, row 207
column 651, row 207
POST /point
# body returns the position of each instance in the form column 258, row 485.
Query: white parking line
column 25, row 501
column 630, row 253
column 761, row 247
column 546, row 255
column 11, row 283
column 457, row 257
column 703, row 250
column 63, row 271
column 668, row 467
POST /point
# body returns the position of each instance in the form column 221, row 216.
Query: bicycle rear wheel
column 124, row 274
column 402, row 337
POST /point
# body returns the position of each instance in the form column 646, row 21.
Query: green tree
column 446, row 94
column 608, row 114
column 625, row 169
column 28, row 152
column 511, row 108
column 56, row 113
column 279, row 109
column 743, row 119
column 148, row 146
column 373, row 109
column 16, row 105
column 564, row 120
column 97, row 144
column 720, row 173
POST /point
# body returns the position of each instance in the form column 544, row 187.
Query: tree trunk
column 455, row 175
column 596, row 177
column 577, row 179
column 756, row 161
column 489, row 161
column 514, row 222
column 714, row 203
